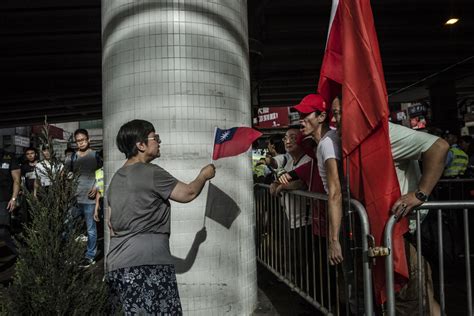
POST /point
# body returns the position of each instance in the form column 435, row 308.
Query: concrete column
column 183, row 65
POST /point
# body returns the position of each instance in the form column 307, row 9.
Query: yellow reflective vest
column 458, row 165
column 99, row 180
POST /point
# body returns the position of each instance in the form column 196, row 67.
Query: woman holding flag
column 140, row 272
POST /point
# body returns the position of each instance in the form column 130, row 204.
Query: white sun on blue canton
column 225, row 135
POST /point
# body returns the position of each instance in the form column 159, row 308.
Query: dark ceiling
column 290, row 37
column 51, row 54
column 50, row 61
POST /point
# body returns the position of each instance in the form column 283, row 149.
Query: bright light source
column 451, row 21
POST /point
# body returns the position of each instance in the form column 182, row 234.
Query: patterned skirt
column 144, row 290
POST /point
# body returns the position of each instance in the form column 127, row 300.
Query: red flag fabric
column 331, row 76
column 309, row 174
column 352, row 63
column 233, row 141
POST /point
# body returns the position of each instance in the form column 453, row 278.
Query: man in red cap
column 314, row 120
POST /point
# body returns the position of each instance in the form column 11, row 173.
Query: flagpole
column 212, row 161
column 213, row 143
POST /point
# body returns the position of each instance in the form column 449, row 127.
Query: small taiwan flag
column 233, row 141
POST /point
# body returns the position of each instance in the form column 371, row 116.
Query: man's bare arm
column 293, row 185
column 334, row 211
column 433, row 165
column 16, row 175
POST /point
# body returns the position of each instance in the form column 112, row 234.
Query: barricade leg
column 442, row 299
column 419, row 270
column 467, row 254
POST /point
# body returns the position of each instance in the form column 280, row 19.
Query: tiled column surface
column 183, row 65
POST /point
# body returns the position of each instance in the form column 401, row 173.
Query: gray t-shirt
column 140, row 216
column 86, row 167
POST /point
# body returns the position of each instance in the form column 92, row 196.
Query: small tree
column 48, row 279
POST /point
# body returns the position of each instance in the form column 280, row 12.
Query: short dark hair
column 467, row 139
column 68, row 150
column 81, row 131
column 32, row 149
column 277, row 141
column 45, row 147
column 130, row 134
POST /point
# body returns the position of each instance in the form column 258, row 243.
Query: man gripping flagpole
column 352, row 65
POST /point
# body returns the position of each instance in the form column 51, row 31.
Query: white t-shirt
column 295, row 208
column 329, row 147
column 407, row 147
column 282, row 160
column 42, row 171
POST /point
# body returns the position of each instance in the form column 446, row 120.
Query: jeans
column 5, row 234
column 87, row 211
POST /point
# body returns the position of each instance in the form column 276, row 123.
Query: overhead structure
column 51, row 56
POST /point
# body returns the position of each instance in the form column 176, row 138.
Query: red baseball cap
column 311, row 103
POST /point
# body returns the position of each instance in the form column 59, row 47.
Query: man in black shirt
column 28, row 177
column 28, row 168
column 9, row 189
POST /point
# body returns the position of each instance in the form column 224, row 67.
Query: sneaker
column 81, row 238
column 86, row 263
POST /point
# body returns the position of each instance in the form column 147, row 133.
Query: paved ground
column 276, row 298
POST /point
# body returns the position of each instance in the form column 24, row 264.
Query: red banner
column 274, row 117
column 54, row 132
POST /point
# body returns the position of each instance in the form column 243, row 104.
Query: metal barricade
column 465, row 207
column 291, row 243
column 454, row 189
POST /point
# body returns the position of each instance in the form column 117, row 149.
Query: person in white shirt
column 296, row 158
column 276, row 157
column 46, row 170
column 296, row 239
column 408, row 148
column 314, row 120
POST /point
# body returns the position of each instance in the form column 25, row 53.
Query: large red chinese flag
column 352, row 62
column 233, row 141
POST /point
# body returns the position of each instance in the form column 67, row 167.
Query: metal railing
column 453, row 189
column 453, row 206
column 291, row 244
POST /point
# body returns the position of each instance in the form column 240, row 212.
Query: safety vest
column 458, row 165
column 259, row 170
column 99, row 180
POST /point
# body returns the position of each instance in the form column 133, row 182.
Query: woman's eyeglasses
column 156, row 138
column 290, row 138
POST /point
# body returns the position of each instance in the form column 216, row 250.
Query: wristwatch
column 420, row 195
column 13, row 199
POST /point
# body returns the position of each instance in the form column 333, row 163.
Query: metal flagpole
column 212, row 161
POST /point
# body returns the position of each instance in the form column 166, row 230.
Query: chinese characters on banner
column 272, row 117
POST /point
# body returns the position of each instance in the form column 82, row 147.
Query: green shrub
column 48, row 279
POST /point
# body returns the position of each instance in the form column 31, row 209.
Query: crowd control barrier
column 459, row 207
column 291, row 243
column 454, row 189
